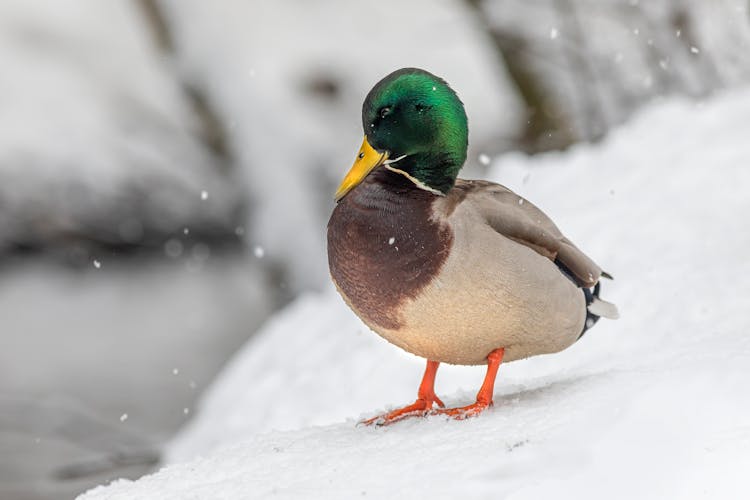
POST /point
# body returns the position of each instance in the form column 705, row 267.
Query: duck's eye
column 419, row 107
column 384, row 111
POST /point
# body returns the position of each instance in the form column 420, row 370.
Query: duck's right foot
column 425, row 399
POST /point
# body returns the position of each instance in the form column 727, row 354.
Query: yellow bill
column 367, row 160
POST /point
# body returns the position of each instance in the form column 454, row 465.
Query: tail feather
column 597, row 308
column 603, row 308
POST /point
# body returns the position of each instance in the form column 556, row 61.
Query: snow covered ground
column 654, row 405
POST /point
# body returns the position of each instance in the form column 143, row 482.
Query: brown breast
column 384, row 246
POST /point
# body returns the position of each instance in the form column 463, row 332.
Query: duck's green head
column 415, row 125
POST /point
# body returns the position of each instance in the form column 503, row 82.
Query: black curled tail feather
column 591, row 318
column 603, row 308
column 597, row 308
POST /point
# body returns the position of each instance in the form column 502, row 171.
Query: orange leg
column 425, row 398
column 484, row 396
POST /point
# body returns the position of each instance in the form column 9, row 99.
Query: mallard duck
column 456, row 271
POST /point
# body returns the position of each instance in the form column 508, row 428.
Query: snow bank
column 599, row 61
column 654, row 405
column 96, row 139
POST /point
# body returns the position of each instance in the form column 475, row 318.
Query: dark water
column 99, row 368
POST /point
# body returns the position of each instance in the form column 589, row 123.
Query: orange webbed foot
column 426, row 396
column 420, row 408
column 463, row 412
column 425, row 399
column 484, row 397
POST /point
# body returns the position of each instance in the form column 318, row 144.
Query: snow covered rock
column 97, row 143
column 653, row 405
column 585, row 67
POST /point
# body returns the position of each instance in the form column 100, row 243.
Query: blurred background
column 167, row 170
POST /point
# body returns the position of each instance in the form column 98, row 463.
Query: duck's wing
column 516, row 218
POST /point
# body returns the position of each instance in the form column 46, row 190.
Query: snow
column 96, row 138
column 596, row 60
column 653, row 405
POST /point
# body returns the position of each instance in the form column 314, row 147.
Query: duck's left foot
column 484, row 396
column 463, row 412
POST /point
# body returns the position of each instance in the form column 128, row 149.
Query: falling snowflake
column 173, row 248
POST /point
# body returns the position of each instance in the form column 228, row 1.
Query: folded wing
column 516, row 218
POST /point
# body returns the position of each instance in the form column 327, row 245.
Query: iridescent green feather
column 414, row 113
